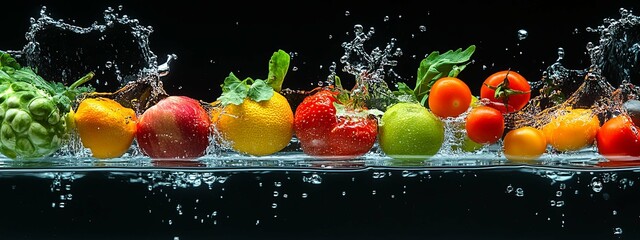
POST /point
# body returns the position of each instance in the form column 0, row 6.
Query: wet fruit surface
column 572, row 129
column 105, row 127
column 410, row 131
column 256, row 128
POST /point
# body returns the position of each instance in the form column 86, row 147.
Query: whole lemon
column 256, row 128
column 572, row 129
column 410, row 131
column 105, row 127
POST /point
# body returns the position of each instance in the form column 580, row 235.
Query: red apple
column 175, row 127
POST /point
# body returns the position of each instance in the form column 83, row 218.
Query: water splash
column 618, row 52
column 116, row 49
column 370, row 68
column 602, row 86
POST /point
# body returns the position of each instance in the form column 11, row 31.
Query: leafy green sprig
column 234, row 90
column 434, row 67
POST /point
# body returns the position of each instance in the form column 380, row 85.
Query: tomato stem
column 503, row 91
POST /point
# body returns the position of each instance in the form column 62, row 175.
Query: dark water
column 492, row 202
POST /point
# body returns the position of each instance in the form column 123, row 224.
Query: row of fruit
column 252, row 117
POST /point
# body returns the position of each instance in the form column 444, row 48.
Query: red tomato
column 514, row 91
column 449, row 97
column 618, row 139
column 485, row 125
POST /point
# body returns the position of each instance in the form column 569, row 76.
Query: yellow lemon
column 256, row 128
column 105, row 127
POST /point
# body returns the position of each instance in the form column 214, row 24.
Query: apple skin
column 175, row 127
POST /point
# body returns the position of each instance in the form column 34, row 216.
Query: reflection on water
column 496, row 202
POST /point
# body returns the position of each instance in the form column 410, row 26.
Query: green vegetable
column 34, row 113
column 434, row 67
column 234, row 90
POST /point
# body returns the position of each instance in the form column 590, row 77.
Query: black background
column 213, row 38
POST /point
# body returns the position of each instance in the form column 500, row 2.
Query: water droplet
column 386, row 18
column 305, row 195
column 617, row 231
column 407, row 173
column 313, row 179
column 519, row 192
column 509, row 189
column 277, row 184
column 596, row 184
column 274, row 205
column 377, row 175
column 179, row 209
column 422, row 28
column 522, row 34
column 347, row 13
column 560, row 54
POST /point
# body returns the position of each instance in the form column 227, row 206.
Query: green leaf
column 436, row 66
column 278, row 68
column 337, row 82
column 233, row 90
column 403, row 89
column 260, row 91
column 6, row 60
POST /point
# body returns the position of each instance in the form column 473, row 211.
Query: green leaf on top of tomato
column 436, row 66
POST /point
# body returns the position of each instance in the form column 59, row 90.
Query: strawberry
column 325, row 129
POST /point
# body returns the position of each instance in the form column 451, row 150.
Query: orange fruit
column 572, row 129
column 256, row 128
column 449, row 97
column 105, row 127
column 524, row 144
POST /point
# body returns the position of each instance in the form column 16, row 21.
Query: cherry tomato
column 524, row 144
column 449, row 97
column 484, row 125
column 618, row 139
column 512, row 90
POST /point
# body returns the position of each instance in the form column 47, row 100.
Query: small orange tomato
column 524, row 144
column 449, row 97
